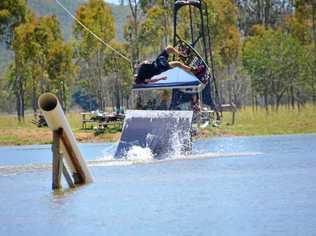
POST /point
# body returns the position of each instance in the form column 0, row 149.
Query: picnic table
column 100, row 120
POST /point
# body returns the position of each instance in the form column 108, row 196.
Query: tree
column 224, row 32
column 47, row 34
column 161, row 12
column 132, row 29
column 12, row 13
column 275, row 63
column 97, row 16
column 23, row 36
column 43, row 62
column 269, row 13
column 119, row 76
column 303, row 25
column 308, row 74
column 153, row 33
column 61, row 70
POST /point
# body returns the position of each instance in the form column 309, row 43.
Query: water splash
column 137, row 153
column 155, row 129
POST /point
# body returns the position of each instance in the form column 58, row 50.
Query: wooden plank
column 57, row 161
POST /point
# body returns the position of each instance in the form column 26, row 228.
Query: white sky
column 113, row 1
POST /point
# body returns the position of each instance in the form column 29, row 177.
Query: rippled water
column 228, row 186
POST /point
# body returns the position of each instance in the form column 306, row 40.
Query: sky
column 112, row 1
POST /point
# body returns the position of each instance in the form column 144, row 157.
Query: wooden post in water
column 67, row 156
column 58, row 164
column 57, row 160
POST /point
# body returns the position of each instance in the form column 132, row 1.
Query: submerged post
column 64, row 146
column 57, row 160
column 58, row 167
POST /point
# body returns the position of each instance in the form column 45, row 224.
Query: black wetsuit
column 159, row 65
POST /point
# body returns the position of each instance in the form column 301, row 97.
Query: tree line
column 264, row 51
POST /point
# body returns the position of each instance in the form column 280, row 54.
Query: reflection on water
column 228, row 186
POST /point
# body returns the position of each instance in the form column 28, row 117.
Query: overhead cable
column 92, row 33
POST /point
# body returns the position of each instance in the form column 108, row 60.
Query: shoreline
column 248, row 123
column 88, row 137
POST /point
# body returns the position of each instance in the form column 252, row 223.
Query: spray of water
column 137, row 155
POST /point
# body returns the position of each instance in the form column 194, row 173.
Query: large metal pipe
column 55, row 118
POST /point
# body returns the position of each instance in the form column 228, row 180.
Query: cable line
column 91, row 32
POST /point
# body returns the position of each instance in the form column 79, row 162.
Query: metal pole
column 203, row 33
column 191, row 25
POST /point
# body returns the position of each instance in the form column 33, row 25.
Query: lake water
column 228, row 186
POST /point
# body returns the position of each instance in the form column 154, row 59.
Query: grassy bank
column 248, row 122
column 259, row 122
column 14, row 133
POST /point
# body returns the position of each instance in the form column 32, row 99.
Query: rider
column 146, row 69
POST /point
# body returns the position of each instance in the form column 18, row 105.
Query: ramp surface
column 176, row 78
column 164, row 132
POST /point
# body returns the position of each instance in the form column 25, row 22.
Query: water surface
column 229, row 186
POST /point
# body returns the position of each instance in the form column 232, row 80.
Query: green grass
column 10, row 121
column 14, row 133
column 259, row 122
column 248, row 122
column 74, row 120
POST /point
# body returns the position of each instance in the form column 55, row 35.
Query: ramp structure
column 177, row 78
column 164, row 132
